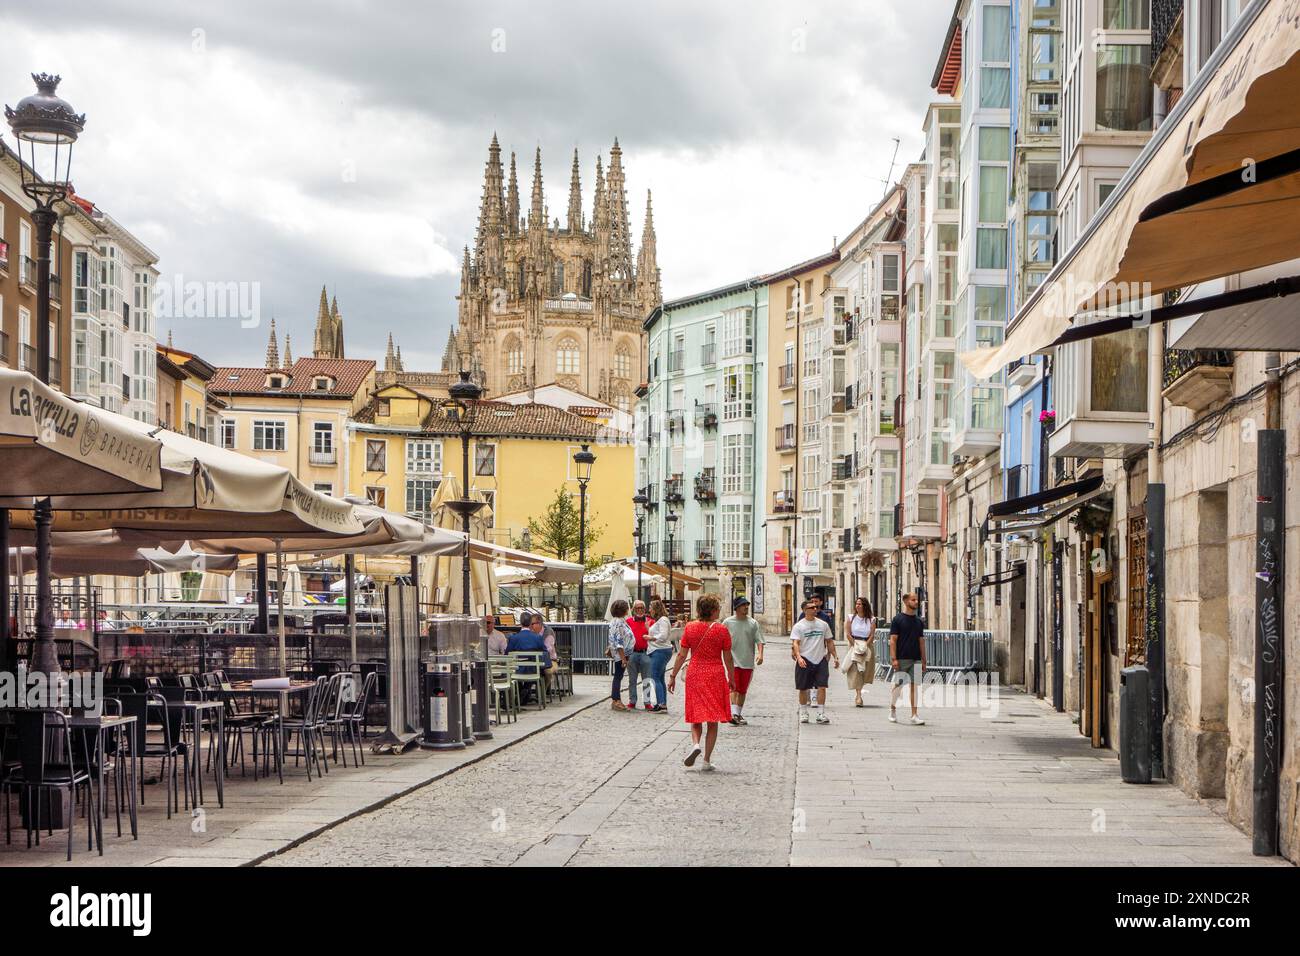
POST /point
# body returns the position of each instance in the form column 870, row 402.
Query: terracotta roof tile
column 348, row 375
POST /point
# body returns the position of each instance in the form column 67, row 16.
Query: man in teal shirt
column 746, row 651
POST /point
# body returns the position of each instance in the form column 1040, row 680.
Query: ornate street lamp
column 45, row 128
column 459, row 407
column 583, row 459
column 639, row 501
column 672, row 527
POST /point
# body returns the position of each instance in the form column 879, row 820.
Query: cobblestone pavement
column 1016, row 786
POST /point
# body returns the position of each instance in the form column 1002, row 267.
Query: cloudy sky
column 341, row 142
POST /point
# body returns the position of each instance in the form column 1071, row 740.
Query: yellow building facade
column 401, row 445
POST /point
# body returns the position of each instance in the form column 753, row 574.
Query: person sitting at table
column 530, row 638
column 496, row 641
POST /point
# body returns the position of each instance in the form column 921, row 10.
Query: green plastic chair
column 533, row 661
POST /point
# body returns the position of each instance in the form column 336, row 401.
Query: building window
column 227, row 429
column 1124, row 100
column 268, row 435
column 738, row 332
column 557, row 278
column 377, row 495
column 376, row 454
column 323, row 488
column 419, row 495
column 514, row 357
column 322, row 438
column 737, row 464
column 423, row 457
column 622, row 364
column 567, row 358
column 489, row 513
column 485, row 460
column 738, row 392
column 736, row 535
column 812, row 351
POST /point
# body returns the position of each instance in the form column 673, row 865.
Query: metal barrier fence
column 586, row 644
column 952, row 653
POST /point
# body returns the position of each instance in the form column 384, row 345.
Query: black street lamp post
column 583, row 459
column 45, row 128
column 459, row 407
column 672, row 527
column 639, row 501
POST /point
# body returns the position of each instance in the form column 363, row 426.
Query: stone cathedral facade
column 544, row 303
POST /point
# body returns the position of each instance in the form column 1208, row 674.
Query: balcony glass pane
column 1124, row 100
column 1119, row 372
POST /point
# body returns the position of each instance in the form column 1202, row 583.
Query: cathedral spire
column 390, row 359
column 575, row 197
column 288, row 352
column 491, row 216
column 537, row 214
column 324, row 326
column 336, row 328
column 512, row 200
column 620, row 232
column 450, row 353
column 648, row 289
column 272, row 351
column 400, row 367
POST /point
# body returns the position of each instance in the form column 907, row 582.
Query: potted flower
column 1047, row 418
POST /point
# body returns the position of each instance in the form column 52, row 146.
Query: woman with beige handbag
column 859, row 665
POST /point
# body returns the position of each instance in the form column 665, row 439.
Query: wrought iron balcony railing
column 785, row 376
column 706, row 486
column 673, row 489
column 1178, row 362
column 706, row 415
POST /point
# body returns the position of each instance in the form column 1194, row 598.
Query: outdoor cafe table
column 281, row 695
column 193, row 713
column 102, row 726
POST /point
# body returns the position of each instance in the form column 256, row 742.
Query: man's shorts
column 812, row 676
column 743, row 676
column 908, row 671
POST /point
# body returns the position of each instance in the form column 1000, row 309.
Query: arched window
column 514, row 356
column 522, row 286
column 557, row 278
column 586, row 278
column 622, row 363
column 567, row 358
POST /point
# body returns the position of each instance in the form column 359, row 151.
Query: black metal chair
column 46, row 763
column 349, row 718
column 169, row 751
column 309, row 728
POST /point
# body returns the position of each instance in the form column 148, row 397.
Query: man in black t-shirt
column 906, row 654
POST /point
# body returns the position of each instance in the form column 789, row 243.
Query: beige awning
column 205, row 491
column 1154, row 234
column 380, row 529
column 51, row 443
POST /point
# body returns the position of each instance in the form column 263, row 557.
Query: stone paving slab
column 263, row 818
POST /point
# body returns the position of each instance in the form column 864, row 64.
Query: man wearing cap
column 746, row 651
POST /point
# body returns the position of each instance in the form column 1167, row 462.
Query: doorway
column 1099, row 637
column 1016, row 636
column 787, row 605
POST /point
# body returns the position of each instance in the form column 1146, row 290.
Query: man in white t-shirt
column 810, row 646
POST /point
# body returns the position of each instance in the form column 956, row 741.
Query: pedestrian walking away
column 906, row 655
column 621, row 642
column 810, row 646
column 746, row 652
column 860, row 661
column 710, row 677
column 638, row 661
column 660, row 640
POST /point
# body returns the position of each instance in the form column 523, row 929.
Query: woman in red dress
column 709, row 680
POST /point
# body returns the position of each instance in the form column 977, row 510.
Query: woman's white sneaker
column 916, row 721
column 691, row 757
column 705, row 765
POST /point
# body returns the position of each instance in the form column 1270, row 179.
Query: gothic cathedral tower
column 542, row 303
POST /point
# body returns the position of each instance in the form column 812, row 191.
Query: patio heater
column 583, row 459
column 45, row 127
column 671, row 518
column 459, row 408
column 639, row 501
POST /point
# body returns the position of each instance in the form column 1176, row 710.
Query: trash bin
column 442, row 707
column 1135, row 724
column 480, row 696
